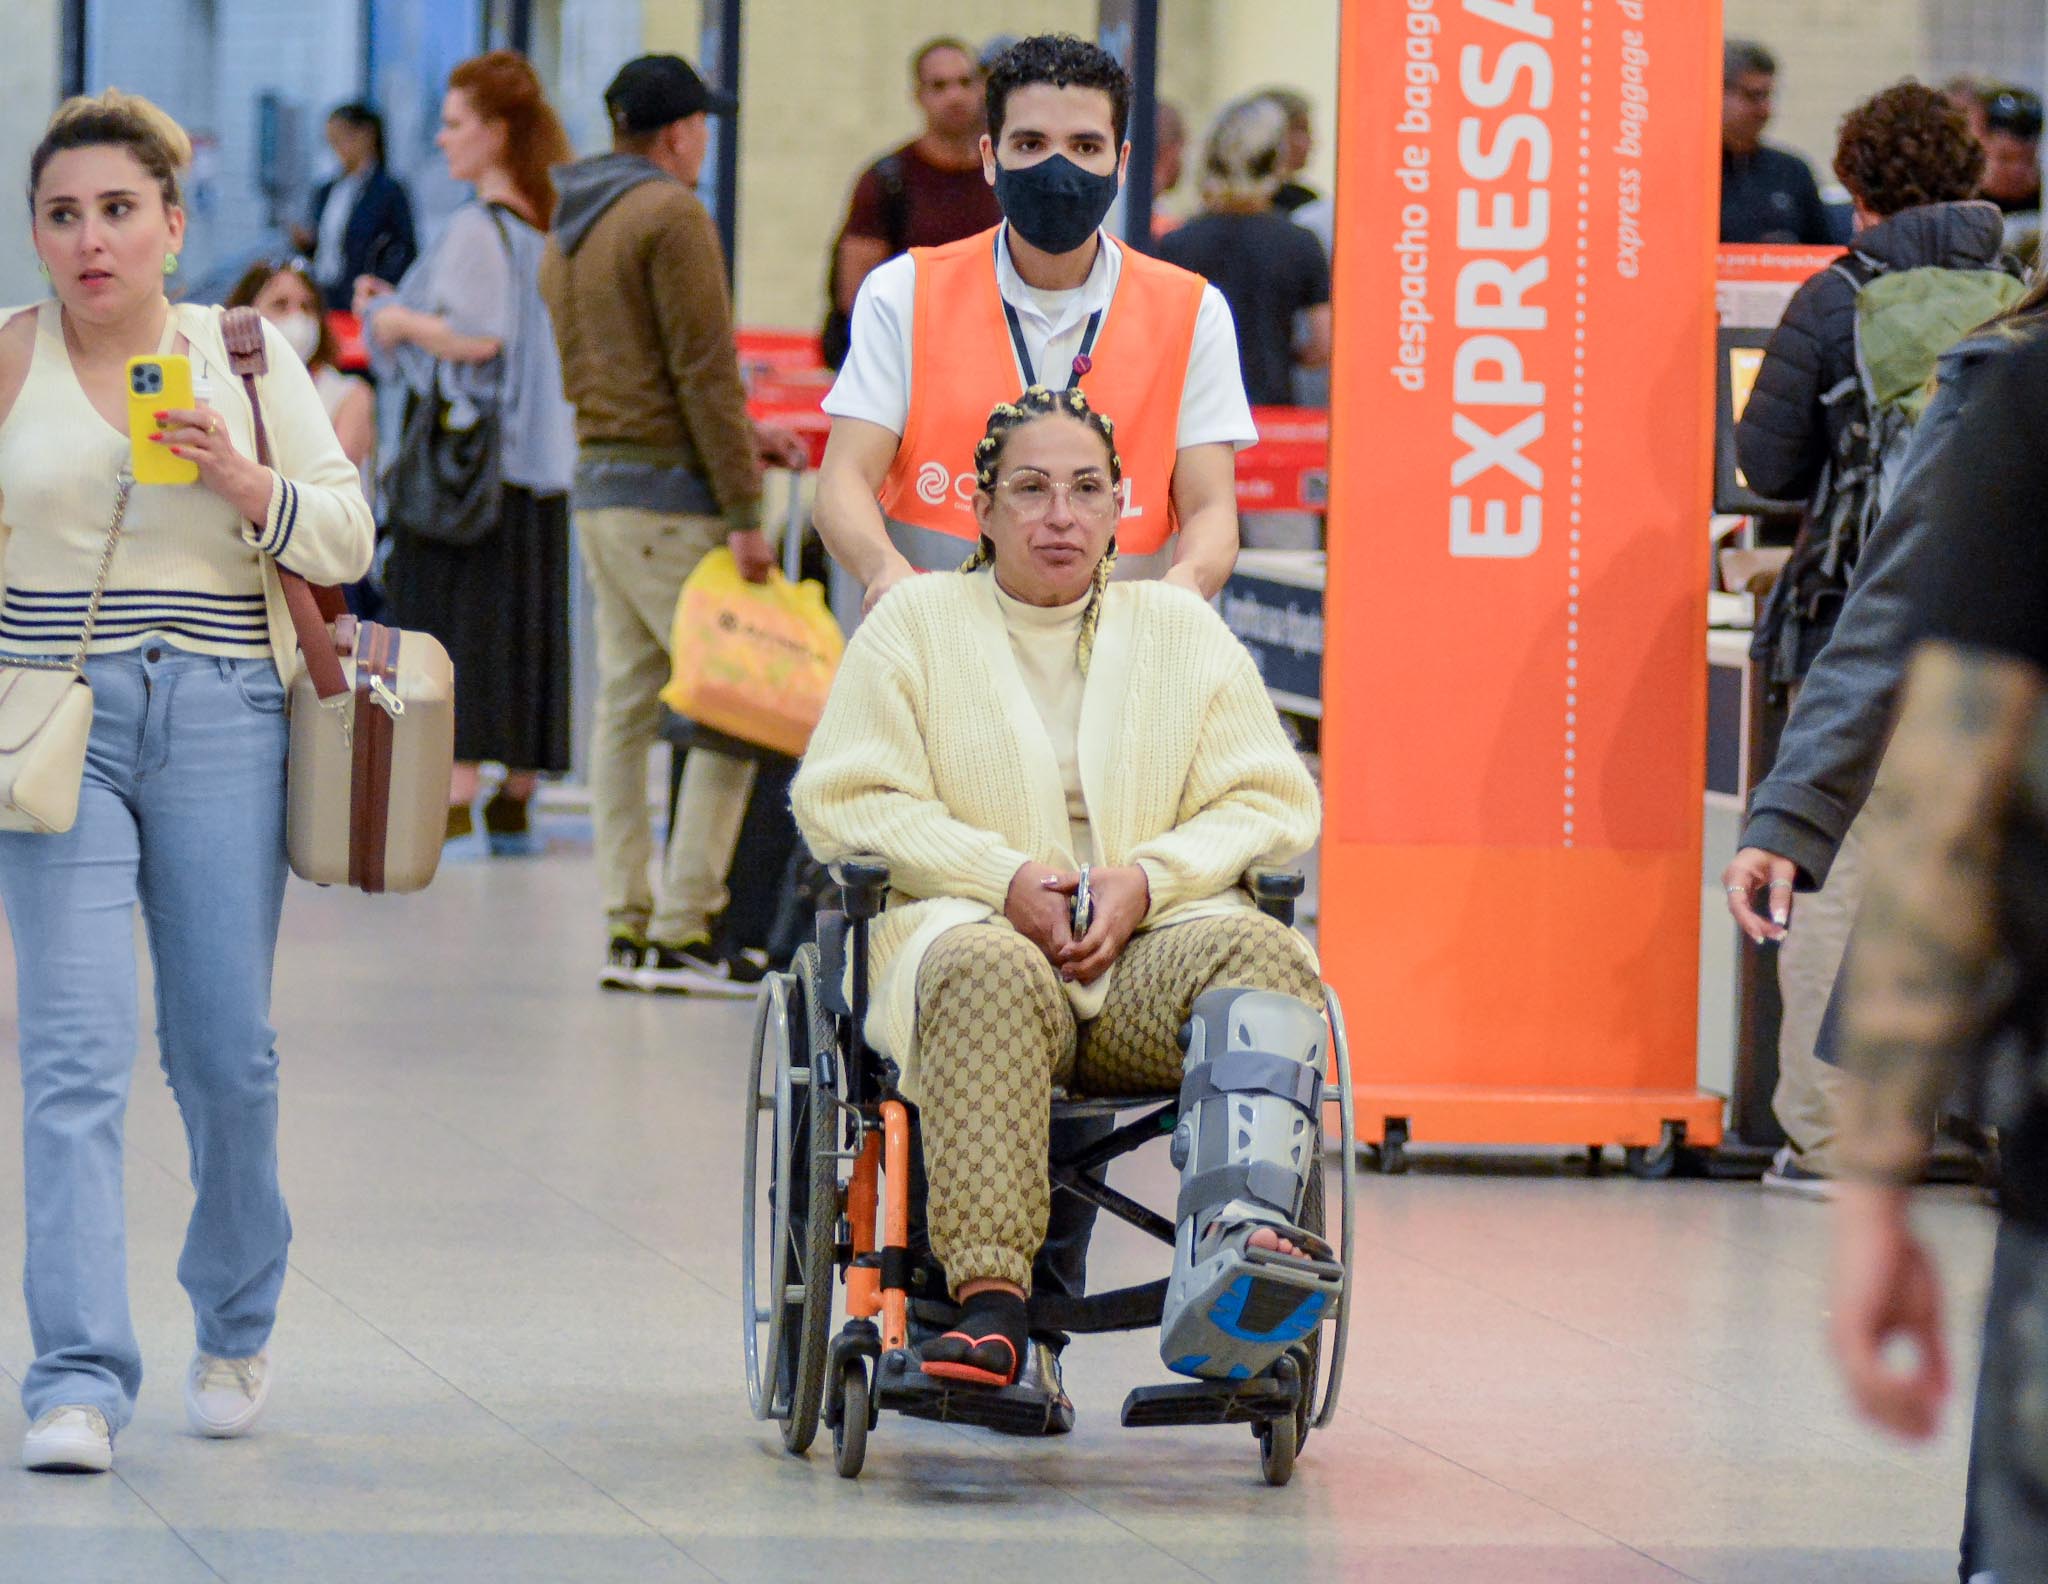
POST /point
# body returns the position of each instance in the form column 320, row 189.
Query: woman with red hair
column 466, row 326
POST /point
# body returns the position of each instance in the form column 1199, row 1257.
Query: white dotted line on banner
column 1578, row 471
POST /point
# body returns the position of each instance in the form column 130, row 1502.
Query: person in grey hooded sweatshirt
column 1908, row 158
column 668, row 468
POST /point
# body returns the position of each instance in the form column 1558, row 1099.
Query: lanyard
column 1082, row 362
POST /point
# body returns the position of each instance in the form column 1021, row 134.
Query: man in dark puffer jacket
column 1908, row 158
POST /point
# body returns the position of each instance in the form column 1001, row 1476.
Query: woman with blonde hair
column 181, row 807
column 1272, row 272
column 467, row 326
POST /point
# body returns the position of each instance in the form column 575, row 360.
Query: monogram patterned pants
column 996, row 1033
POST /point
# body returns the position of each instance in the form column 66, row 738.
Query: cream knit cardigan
column 931, row 755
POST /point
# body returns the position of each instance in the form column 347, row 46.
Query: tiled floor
column 509, row 1346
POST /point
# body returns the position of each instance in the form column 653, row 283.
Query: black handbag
column 445, row 483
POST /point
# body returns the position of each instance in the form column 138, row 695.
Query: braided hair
column 1008, row 417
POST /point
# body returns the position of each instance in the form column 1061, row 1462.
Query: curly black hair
column 1907, row 146
column 1063, row 61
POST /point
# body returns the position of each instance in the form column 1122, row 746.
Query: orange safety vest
column 963, row 363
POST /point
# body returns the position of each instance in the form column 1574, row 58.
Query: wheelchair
column 826, row 1208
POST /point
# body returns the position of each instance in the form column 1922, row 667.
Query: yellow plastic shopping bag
column 752, row 660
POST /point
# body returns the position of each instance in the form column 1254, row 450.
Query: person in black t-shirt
column 1268, row 268
column 1950, row 957
column 927, row 193
column 1767, row 194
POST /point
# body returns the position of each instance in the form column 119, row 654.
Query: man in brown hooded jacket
column 668, row 468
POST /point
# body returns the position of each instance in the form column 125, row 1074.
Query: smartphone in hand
column 154, row 384
column 1083, row 905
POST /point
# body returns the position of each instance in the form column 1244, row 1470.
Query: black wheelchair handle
column 1276, row 884
column 1275, row 891
column 865, row 881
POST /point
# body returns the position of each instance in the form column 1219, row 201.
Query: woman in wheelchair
column 1069, row 778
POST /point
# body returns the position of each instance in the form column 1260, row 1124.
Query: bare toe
column 1266, row 1238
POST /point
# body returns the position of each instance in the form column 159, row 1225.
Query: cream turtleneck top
column 1046, row 640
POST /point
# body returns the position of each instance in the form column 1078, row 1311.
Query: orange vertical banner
column 1515, row 679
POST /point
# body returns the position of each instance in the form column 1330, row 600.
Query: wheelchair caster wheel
column 850, row 1429
column 1278, row 1440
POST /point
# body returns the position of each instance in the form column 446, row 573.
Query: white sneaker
column 69, row 1440
column 225, row 1397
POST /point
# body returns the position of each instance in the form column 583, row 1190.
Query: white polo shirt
column 874, row 384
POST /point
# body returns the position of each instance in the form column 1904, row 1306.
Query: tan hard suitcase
column 372, row 718
column 368, row 795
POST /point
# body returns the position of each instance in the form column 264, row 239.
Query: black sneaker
column 1786, row 1175
column 622, row 962
column 693, row 968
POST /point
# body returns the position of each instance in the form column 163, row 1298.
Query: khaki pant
column 638, row 561
column 996, row 1032
column 1810, row 1095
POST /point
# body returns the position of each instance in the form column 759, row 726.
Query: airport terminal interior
column 1587, row 1282
column 510, row 1344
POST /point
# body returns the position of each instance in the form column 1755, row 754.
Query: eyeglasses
column 1030, row 495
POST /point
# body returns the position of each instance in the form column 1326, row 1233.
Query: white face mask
column 301, row 333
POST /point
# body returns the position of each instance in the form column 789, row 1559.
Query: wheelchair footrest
column 902, row 1386
column 1251, row 1401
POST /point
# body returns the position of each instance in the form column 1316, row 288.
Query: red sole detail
column 973, row 1374
column 970, row 1375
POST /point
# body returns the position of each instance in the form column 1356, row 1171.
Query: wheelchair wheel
column 815, row 1224
column 1309, row 1355
column 1277, row 1446
column 785, row 1289
column 1331, row 1366
column 850, row 1429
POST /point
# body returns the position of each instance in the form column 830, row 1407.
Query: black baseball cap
column 655, row 90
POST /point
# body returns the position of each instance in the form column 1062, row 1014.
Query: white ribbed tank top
column 183, row 573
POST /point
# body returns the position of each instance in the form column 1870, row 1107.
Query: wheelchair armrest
column 864, row 879
column 1276, row 891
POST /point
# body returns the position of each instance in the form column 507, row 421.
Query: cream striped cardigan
column 932, row 755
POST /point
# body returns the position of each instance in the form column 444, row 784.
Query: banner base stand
column 1471, row 1114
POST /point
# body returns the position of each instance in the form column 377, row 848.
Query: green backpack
column 1905, row 320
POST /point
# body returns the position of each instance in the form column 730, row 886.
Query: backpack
column 836, row 334
column 1904, row 321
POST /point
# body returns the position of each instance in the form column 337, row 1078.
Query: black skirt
column 501, row 608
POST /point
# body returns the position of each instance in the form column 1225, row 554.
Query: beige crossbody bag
column 46, row 717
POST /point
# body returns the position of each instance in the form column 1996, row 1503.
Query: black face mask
column 1055, row 205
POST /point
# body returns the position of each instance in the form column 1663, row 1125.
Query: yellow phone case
column 154, row 384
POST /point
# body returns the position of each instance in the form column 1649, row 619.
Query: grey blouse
column 487, row 284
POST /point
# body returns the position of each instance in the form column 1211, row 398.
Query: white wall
column 1834, row 53
column 208, row 62
column 1229, row 48
column 1831, row 55
column 28, row 93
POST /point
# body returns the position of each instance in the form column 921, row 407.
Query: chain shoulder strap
column 99, row 584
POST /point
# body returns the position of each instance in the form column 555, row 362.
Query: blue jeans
column 182, row 810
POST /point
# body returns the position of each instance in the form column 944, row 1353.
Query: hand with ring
column 201, row 435
column 1755, row 871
